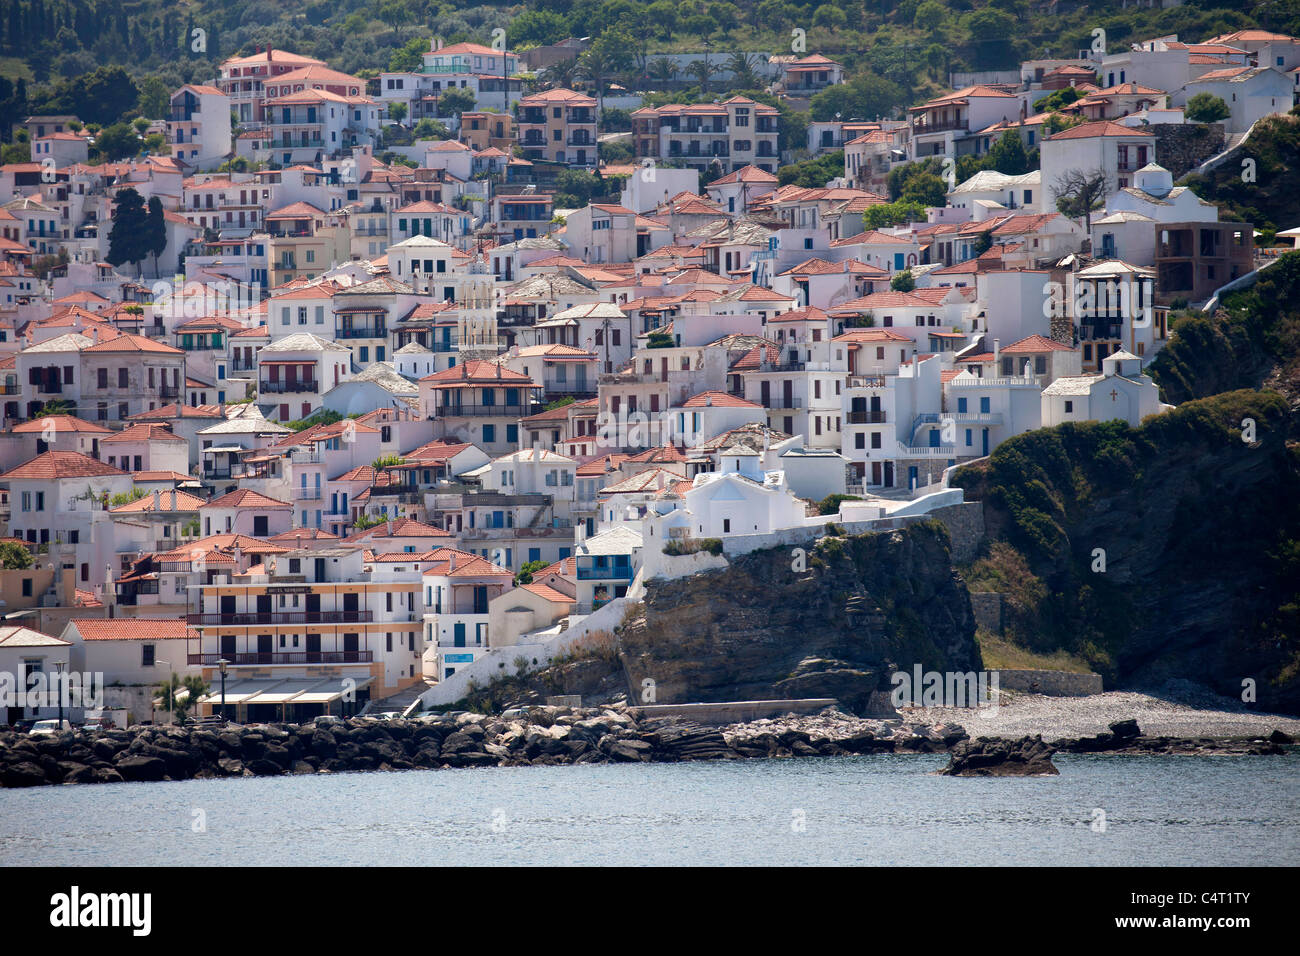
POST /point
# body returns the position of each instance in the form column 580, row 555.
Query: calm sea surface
column 867, row 810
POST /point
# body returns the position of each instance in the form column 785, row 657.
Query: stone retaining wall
column 1050, row 683
column 987, row 608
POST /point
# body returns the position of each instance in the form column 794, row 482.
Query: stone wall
column 987, row 608
column 1050, row 683
column 1181, row 147
column 965, row 524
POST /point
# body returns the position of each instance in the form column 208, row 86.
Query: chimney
column 157, row 500
column 997, row 353
column 238, row 555
column 173, row 507
column 451, row 562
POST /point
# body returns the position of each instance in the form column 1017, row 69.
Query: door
column 787, row 394
column 313, row 613
column 265, row 647
column 227, row 604
column 228, row 646
column 458, row 638
column 889, row 474
column 313, row 648
column 263, row 608
column 351, row 646
column 912, row 476
column 350, row 607
column 765, row 394
column 876, row 473
column 986, row 441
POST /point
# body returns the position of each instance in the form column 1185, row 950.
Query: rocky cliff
column 834, row 623
column 1165, row 551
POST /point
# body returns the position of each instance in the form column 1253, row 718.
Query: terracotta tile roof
column 133, row 628
column 60, row 464
column 400, row 528
column 247, row 498
column 144, row 431
column 1036, row 343
column 126, row 342
column 184, row 502
column 477, row 372
column 61, row 423
column 719, row 399
column 549, row 593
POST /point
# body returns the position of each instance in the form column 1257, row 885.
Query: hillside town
column 337, row 434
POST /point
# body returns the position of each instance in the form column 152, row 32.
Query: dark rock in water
column 231, row 766
column 262, row 767
column 1278, row 737
column 24, row 774
column 137, row 768
column 989, row 757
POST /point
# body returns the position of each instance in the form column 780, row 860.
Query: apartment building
column 735, row 133
column 559, row 125
column 198, row 126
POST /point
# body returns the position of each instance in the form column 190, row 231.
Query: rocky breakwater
column 549, row 736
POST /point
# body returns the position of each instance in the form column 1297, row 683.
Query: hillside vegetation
column 896, row 51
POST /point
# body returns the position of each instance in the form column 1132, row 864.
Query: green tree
column 397, row 112
column 14, row 557
column 1008, row 155
column 119, row 141
column 170, row 699
column 1206, row 108
column 525, row 575
column 455, row 101
column 155, row 226
column 155, row 97
column 903, row 281
column 128, row 237
column 409, row 58
column 930, row 16
column 864, row 97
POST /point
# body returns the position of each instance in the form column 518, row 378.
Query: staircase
column 400, row 702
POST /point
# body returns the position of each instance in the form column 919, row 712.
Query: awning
column 331, row 690
column 292, row 690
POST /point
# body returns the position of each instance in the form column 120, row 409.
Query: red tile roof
column 61, row 464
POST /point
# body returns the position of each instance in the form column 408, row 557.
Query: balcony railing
column 866, row 418
column 369, row 332
column 252, row 618
column 783, row 403
column 271, row 388
column 486, row 411
column 293, row 657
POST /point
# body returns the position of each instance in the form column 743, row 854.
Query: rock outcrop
column 990, row 757
column 835, row 622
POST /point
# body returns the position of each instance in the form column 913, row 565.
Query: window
column 489, row 433
column 875, row 439
column 860, row 440
column 146, row 655
column 101, row 377
column 1069, row 408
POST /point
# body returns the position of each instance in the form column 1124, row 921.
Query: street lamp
column 223, row 664
column 58, row 688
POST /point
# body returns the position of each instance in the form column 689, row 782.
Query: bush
column 831, row 503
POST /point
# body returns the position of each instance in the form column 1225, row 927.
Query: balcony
column 274, row 388
column 254, row 618
column 368, row 332
column 484, row 411
column 307, row 494
column 169, row 391
column 876, row 417
column 296, row 657
column 781, row 403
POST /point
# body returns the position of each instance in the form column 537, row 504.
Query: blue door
column 934, row 438
column 986, row 441
column 912, row 476
column 459, row 639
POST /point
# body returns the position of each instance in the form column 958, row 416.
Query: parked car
column 521, row 711
column 24, row 725
column 99, row 723
column 328, row 720
column 46, row 727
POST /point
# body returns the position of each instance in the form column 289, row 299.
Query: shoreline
column 560, row 736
